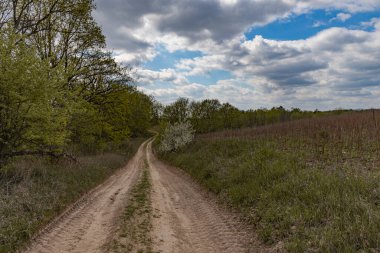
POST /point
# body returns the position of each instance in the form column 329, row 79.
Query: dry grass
column 350, row 137
column 34, row 190
column 311, row 185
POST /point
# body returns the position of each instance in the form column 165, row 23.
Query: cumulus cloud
column 336, row 62
column 334, row 50
column 137, row 27
column 148, row 77
column 351, row 6
column 374, row 22
column 343, row 17
column 315, row 72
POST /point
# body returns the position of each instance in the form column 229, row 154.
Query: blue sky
column 165, row 59
column 309, row 24
column 251, row 53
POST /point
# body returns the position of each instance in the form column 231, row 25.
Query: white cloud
column 319, row 24
column 336, row 67
column 374, row 22
column 135, row 28
column 320, row 71
column 342, row 17
column 351, row 6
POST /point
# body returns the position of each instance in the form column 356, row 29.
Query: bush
column 33, row 108
column 176, row 136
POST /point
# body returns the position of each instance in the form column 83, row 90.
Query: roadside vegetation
column 34, row 190
column 69, row 113
column 59, row 87
column 176, row 136
column 133, row 234
column 311, row 185
column 211, row 115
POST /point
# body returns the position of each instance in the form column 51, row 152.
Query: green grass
column 289, row 192
column 135, row 223
column 34, row 190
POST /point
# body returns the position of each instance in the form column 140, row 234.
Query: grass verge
column 34, row 190
column 296, row 195
column 135, row 222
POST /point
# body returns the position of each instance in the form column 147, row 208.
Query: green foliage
column 111, row 119
column 33, row 109
column 177, row 111
column 157, row 112
column 58, row 84
column 210, row 115
column 60, row 91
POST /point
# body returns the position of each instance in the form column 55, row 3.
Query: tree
column 178, row 111
column 157, row 111
column 176, row 136
column 112, row 118
column 69, row 89
column 33, row 111
column 231, row 116
column 205, row 115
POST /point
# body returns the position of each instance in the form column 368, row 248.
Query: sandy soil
column 87, row 226
column 185, row 217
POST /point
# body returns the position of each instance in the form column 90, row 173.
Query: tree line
column 211, row 115
column 59, row 86
column 61, row 89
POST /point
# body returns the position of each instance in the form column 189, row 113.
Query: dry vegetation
column 309, row 185
column 133, row 233
column 34, row 190
column 350, row 131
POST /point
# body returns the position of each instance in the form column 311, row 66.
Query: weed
column 135, row 223
column 34, row 190
column 312, row 184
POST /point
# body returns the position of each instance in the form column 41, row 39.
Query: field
column 34, row 190
column 311, row 185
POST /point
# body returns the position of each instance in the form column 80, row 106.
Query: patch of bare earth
column 170, row 213
column 133, row 233
column 186, row 219
column 88, row 225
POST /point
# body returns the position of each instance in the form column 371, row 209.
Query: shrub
column 176, row 136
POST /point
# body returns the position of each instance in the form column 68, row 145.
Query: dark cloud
column 130, row 13
column 294, row 73
column 195, row 20
column 336, row 63
column 211, row 19
column 127, row 40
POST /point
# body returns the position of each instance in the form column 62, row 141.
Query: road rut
column 87, row 226
column 185, row 219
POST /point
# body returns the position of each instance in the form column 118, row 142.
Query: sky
column 309, row 54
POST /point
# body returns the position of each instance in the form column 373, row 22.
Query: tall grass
column 311, row 185
column 34, row 190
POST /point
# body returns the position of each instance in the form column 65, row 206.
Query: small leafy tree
column 176, row 136
column 33, row 108
column 179, row 111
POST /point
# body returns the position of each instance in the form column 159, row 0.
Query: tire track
column 90, row 222
column 186, row 220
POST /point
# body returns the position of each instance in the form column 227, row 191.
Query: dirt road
column 87, row 226
column 188, row 220
column 184, row 219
